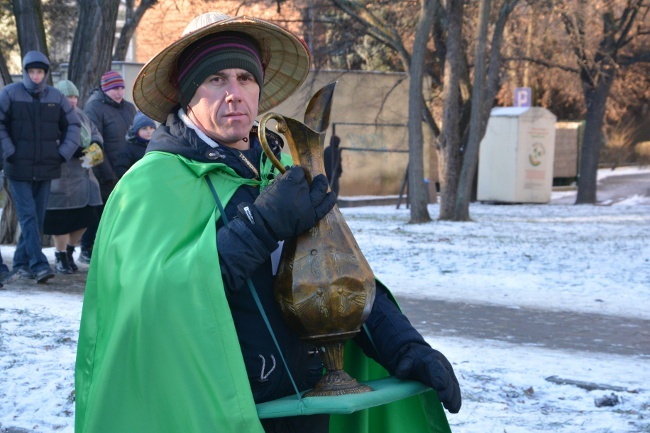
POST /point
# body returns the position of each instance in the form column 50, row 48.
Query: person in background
column 137, row 140
column 332, row 161
column 39, row 131
column 113, row 116
column 167, row 305
column 74, row 197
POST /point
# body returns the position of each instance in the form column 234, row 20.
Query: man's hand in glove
column 290, row 206
column 430, row 367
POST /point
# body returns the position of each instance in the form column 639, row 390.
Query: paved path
column 613, row 189
column 524, row 326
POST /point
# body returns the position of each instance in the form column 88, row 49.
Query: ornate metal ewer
column 325, row 287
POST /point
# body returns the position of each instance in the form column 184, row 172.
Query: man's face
column 116, row 94
column 225, row 105
column 36, row 75
column 73, row 100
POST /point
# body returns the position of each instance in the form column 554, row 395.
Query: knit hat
column 37, row 65
column 285, row 59
column 111, row 80
column 214, row 53
column 68, row 88
column 141, row 120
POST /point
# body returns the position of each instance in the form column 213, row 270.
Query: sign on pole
column 523, row 96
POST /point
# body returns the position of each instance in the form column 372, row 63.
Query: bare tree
column 483, row 94
column 93, row 44
column 599, row 65
column 419, row 211
column 449, row 156
column 387, row 33
column 131, row 22
column 29, row 22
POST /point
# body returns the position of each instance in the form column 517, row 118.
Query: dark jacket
column 39, row 128
column 113, row 120
column 243, row 255
column 77, row 187
column 131, row 152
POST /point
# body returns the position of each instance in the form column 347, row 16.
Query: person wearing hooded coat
column 39, row 131
column 137, row 140
column 113, row 115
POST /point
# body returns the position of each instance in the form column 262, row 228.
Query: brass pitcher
column 324, row 287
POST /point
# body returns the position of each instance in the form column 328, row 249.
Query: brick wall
column 164, row 23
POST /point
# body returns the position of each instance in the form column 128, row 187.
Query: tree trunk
column 29, row 23
column 596, row 100
column 416, row 187
column 130, row 24
column 450, row 159
column 470, row 157
column 9, row 220
column 483, row 95
column 5, row 76
column 93, row 44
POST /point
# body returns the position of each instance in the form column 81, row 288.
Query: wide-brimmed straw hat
column 285, row 55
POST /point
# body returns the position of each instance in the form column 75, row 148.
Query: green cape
column 158, row 350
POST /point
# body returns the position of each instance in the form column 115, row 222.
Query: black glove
column 430, row 367
column 290, row 206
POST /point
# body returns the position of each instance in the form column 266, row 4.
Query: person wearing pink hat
column 113, row 115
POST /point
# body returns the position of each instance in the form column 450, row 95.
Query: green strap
column 255, row 296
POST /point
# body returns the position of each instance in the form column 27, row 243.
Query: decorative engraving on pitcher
column 357, row 298
column 300, row 307
column 314, row 265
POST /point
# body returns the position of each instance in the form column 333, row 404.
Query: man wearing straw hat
column 170, row 340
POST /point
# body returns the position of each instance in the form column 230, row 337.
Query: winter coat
column 77, row 187
column 132, row 152
column 174, row 321
column 39, row 129
column 113, row 120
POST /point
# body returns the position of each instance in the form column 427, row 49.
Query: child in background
column 137, row 139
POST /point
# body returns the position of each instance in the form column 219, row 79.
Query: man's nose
column 233, row 93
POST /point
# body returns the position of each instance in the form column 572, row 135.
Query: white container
column 516, row 156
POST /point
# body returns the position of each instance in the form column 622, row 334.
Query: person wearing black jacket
column 39, row 131
column 113, row 116
column 206, row 89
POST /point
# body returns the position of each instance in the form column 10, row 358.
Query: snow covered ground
column 585, row 258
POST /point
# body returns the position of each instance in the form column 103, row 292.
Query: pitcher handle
column 261, row 133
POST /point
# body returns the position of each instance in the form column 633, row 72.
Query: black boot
column 85, row 255
column 62, row 265
column 70, row 250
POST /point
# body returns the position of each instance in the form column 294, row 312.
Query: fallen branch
column 589, row 386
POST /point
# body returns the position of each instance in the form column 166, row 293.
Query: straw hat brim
column 156, row 94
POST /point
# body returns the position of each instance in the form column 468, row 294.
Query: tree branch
column 549, row 65
column 628, row 60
